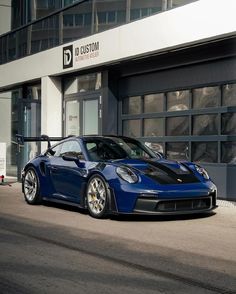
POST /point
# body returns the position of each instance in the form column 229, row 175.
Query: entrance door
column 90, row 117
column 82, row 116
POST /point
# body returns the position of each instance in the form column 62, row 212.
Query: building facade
column 162, row 71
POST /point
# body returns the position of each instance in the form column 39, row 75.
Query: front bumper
column 152, row 205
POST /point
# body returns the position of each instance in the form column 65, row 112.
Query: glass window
column 204, row 151
column 45, row 34
column 22, row 42
column 229, row 95
column 228, row 152
column 153, row 127
column 11, row 46
column 154, row 103
column 177, row 126
column 178, row 100
column 80, row 15
column 79, row 19
column 206, row 97
column 206, row 124
column 177, row 150
column 132, row 105
column 140, row 8
column 55, row 151
column 72, row 118
column 90, row 116
column 132, row 128
column 70, row 86
column 90, row 82
column 70, row 147
column 229, row 124
column 108, row 13
column 68, row 20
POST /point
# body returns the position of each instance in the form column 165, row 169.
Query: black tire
column 97, row 197
column 31, row 187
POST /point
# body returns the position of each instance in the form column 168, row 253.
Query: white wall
column 201, row 21
column 5, row 16
column 51, row 107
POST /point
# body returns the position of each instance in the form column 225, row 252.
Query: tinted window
column 71, row 147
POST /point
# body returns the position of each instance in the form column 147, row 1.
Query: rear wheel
column 31, row 187
column 97, row 197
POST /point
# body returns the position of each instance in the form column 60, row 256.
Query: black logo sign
column 68, row 56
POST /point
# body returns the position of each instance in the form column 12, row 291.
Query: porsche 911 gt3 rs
column 116, row 175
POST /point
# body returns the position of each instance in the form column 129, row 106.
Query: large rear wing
column 20, row 139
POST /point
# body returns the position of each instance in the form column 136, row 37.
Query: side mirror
column 70, row 157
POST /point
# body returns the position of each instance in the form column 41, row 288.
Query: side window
column 55, row 151
column 71, row 147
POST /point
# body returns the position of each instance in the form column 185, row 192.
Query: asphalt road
column 57, row 249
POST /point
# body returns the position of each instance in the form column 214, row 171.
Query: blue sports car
column 116, row 175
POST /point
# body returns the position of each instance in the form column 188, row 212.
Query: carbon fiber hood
column 163, row 171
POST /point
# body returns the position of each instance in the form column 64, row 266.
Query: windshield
column 116, row 148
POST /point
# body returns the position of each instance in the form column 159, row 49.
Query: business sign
column 87, row 51
column 67, row 56
column 3, row 159
column 77, row 54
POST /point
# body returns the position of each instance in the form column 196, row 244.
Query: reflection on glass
column 204, row 151
column 155, row 146
column 178, row 100
column 154, row 103
column 90, row 82
column 84, row 83
column 177, row 3
column 45, row 34
column 12, row 46
column 34, row 92
column 228, row 152
column 206, row 124
column 140, row 8
column 77, row 21
column 177, row 151
column 132, row 128
column 229, row 95
column 177, row 126
column 108, row 14
column 90, row 117
column 153, row 127
column 132, row 105
column 206, row 97
column 72, row 118
column 22, row 42
column 229, row 124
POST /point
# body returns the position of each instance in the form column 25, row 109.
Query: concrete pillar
column 51, row 107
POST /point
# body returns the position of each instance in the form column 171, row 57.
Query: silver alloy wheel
column 96, row 196
column 30, row 185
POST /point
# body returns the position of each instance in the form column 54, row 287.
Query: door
column 67, row 176
column 90, row 117
column 83, row 116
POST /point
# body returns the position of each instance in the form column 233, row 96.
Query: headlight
column 202, row 171
column 127, row 175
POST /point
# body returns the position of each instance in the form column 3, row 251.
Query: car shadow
column 160, row 218
column 66, row 207
column 133, row 217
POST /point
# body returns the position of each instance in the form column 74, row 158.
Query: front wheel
column 31, row 187
column 97, row 197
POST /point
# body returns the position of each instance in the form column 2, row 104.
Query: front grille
column 184, row 205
